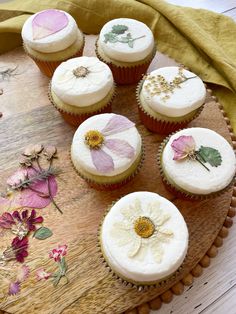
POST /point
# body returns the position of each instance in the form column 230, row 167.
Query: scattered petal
column 48, row 22
column 6, row 221
column 22, row 273
column 102, row 161
column 183, row 146
column 19, row 176
column 120, row 148
column 42, row 274
column 117, row 124
column 14, row 288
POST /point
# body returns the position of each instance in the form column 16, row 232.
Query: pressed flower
column 58, row 252
column 20, row 223
column 142, row 230
column 14, row 288
column 95, row 140
column 42, row 274
column 184, row 146
column 50, row 152
column 33, row 151
column 19, row 248
column 17, row 178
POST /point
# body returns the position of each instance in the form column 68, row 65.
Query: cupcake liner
column 158, row 125
column 48, row 67
column 76, row 119
column 125, row 281
column 115, row 185
column 127, row 75
column 178, row 192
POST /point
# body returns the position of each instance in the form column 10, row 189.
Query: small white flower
column 142, row 230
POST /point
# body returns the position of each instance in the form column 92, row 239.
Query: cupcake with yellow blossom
column 143, row 238
column 80, row 88
column 127, row 47
column 107, row 151
column 51, row 37
column 169, row 98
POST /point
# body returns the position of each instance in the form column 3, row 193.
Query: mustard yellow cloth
column 200, row 39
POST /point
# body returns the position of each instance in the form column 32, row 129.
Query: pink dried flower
column 17, row 178
column 42, row 274
column 184, row 146
column 102, row 161
column 57, row 253
column 14, row 288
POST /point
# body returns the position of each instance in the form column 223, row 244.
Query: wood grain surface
column 27, row 118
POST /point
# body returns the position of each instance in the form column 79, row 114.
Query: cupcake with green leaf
column 169, row 98
column 197, row 163
column 127, row 47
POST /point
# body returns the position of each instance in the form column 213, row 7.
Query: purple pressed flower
column 48, row 22
column 184, row 146
column 14, row 288
column 6, row 221
column 19, row 248
column 22, row 273
column 102, row 161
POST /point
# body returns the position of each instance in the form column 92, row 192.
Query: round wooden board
column 29, row 118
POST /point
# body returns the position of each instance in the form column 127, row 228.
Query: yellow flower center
column 144, row 227
column 94, row 139
column 80, row 71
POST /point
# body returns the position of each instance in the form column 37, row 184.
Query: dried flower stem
column 199, row 160
column 6, row 74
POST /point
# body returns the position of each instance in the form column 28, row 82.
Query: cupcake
column 82, row 87
column 50, row 37
column 196, row 163
column 128, row 47
column 107, row 150
column 169, row 98
column 143, row 238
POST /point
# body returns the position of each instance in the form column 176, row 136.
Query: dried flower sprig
column 17, row 251
column 6, row 74
column 185, row 147
column 158, row 85
column 36, row 182
column 58, row 255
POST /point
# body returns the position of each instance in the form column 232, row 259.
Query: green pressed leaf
column 124, row 40
column 42, row 233
column 119, row 29
column 63, row 266
column 210, row 155
column 112, row 38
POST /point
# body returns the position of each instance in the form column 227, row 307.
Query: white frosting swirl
column 82, row 91
column 54, row 42
column 122, row 51
column 192, row 176
column 190, row 96
column 144, row 269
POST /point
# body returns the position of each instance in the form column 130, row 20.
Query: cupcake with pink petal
column 50, row 37
column 107, row 150
column 197, row 163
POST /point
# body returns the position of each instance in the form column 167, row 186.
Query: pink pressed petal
column 22, row 273
column 183, row 146
column 117, row 124
column 17, row 177
column 29, row 198
column 42, row 274
column 48, row 22
column 14, row 288
column 120, row 148
column 102, row 161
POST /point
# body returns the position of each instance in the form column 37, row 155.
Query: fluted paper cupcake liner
column 140, row 286
column 48, row 67
column 179, row 192
column 115, row 185
column 76, row 119
column 158, row 125
column 125, row 75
